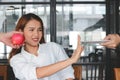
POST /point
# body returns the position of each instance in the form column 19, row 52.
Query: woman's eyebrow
column 31, row 27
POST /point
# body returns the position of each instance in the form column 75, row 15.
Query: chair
column 117, row 73
column 77, row 72
column 3, row 71
column 11, row 75
column 95, row 67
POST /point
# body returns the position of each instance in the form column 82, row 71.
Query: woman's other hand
column 77, row 53
column 6, row 38
column 113, row 41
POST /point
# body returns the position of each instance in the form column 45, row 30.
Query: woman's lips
column 35, row 39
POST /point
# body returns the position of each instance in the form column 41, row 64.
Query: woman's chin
column 35, row 45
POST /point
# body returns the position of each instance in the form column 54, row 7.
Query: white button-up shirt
column 24, row 64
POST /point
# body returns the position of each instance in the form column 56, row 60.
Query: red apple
column 18, row 39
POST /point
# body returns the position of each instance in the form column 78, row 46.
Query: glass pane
column 88, row 20
column 24, row 0
column 80, row 0
column 10, row 14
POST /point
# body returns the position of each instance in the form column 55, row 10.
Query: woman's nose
column 36, row 33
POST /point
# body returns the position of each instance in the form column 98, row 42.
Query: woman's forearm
column 53, row 68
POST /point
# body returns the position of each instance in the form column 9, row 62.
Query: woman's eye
column 40, row 29
column 31, row 30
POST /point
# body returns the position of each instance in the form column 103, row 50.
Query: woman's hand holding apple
column 18, row 39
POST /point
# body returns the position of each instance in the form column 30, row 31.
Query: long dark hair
column 21, row 25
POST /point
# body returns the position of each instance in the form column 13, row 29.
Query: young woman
column 37, row 60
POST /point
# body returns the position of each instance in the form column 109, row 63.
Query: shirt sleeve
column 22, row 70
column 60, row 55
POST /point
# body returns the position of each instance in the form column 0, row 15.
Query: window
column 81, row 0
column 88, row 20
column 24, row 0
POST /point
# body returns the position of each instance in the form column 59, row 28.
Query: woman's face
column 32, row 33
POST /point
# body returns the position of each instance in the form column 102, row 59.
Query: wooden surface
column 3, row 71
column 77, row 72
column 117, row 73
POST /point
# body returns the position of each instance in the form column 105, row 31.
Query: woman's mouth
column 35, row 39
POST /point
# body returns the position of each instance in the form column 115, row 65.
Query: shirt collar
column 24, row 52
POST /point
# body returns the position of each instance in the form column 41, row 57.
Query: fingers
column 106, row 43
column 15, row 46
column 109, row 45
column 79, row 46
column 79, row 41
column 13, row 32
column 77, row 53
column 106, row 38
column 114, row 40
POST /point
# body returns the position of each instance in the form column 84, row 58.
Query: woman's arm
column 53, row 68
